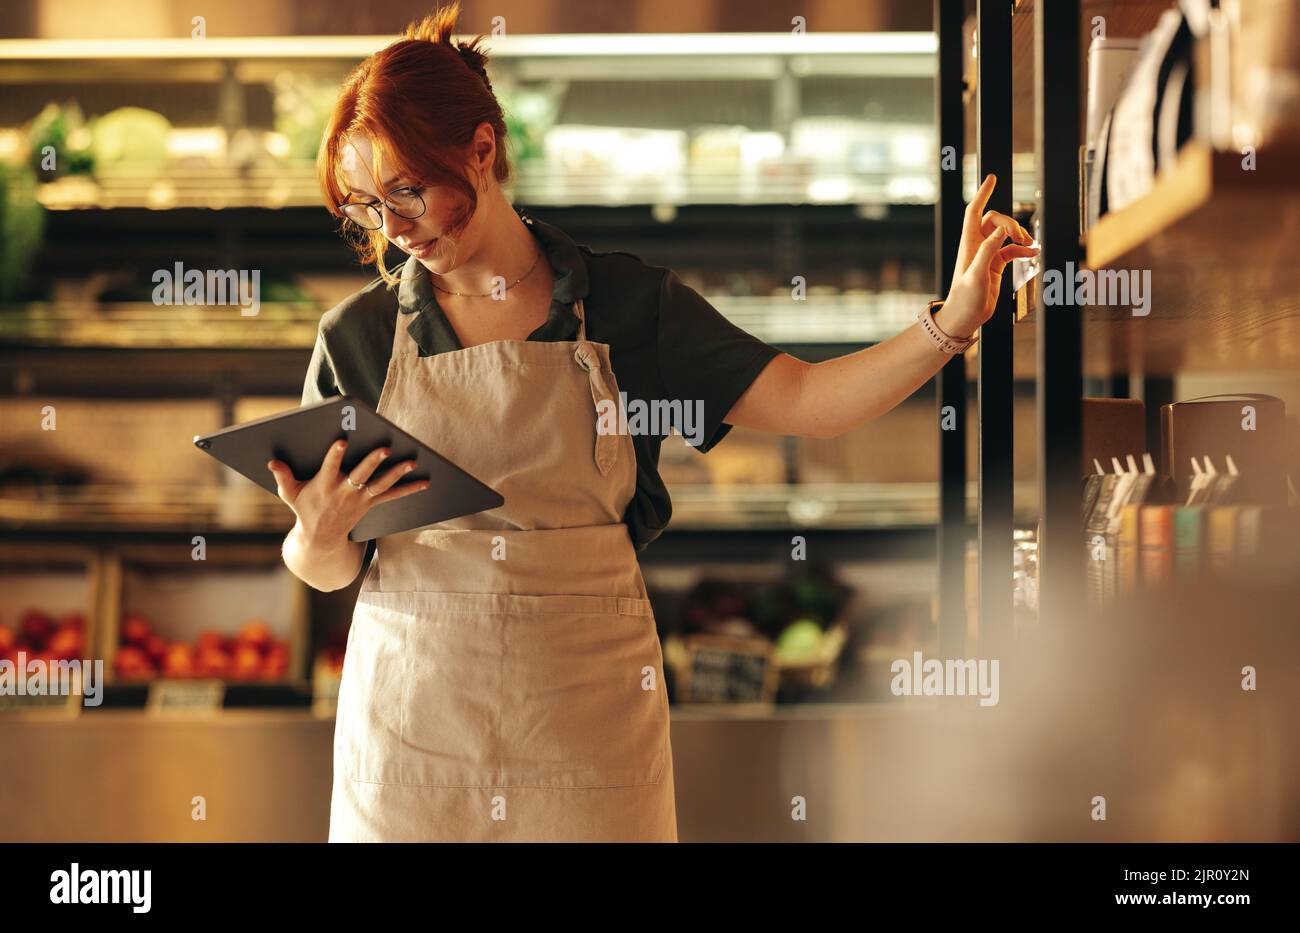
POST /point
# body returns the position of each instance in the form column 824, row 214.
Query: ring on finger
column 355, row 485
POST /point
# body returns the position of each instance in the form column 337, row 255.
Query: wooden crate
column 182, row 598
column 58, row 579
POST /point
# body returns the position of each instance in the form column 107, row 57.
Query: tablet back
column 300, row 437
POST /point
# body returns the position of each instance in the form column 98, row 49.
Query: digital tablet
column 300, row 438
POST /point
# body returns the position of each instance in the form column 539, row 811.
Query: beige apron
column 503, row 679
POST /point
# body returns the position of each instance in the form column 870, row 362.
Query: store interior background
column 668, row 156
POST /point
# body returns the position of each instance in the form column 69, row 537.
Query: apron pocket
column 510, row 691
column 584, row 702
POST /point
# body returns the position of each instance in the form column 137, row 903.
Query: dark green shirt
column 666, row 343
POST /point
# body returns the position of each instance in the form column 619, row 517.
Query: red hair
column 419, row 101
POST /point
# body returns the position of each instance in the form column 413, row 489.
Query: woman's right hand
column 328, row 507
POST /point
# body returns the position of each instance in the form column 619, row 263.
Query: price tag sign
column 185, row 696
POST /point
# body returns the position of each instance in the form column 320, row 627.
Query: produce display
column 801, row 616
column 129, row 134
column 329, row 657
column 251, row 654
column 59, row 142
column 793, row 613
column 41, row 636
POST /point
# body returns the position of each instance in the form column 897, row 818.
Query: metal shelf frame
column 951, row 380
column 1059, row 343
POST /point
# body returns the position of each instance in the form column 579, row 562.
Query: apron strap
column 581, row 312
column 609, row 418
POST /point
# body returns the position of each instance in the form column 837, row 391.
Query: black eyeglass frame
column 376, row 210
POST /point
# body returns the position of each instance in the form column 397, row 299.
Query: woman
column 503, row 676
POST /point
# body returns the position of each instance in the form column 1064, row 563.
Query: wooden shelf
column 1222, row 245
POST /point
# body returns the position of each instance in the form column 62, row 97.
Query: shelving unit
column 1218, row 239
column 775, row 76
column 802, row 216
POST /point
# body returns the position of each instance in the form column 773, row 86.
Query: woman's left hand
column 981, row 259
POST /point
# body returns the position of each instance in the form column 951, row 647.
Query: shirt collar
column 434, row 334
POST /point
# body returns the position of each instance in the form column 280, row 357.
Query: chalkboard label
column 722, row 669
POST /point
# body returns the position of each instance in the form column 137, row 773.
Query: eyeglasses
column 402, row 202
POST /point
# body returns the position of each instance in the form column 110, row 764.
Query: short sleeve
column 320, row 382
column 705, row 361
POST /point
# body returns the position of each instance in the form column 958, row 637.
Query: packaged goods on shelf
column 716, row 147
column 1209, row 519
column 1152, row 116
column 1249, row 427
column 1110, row 62
column 1228, row 76
column 867, row 159
column 619, row 153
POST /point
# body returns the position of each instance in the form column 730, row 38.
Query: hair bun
column 438, row 27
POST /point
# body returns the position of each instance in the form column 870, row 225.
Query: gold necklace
column 490, row 294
